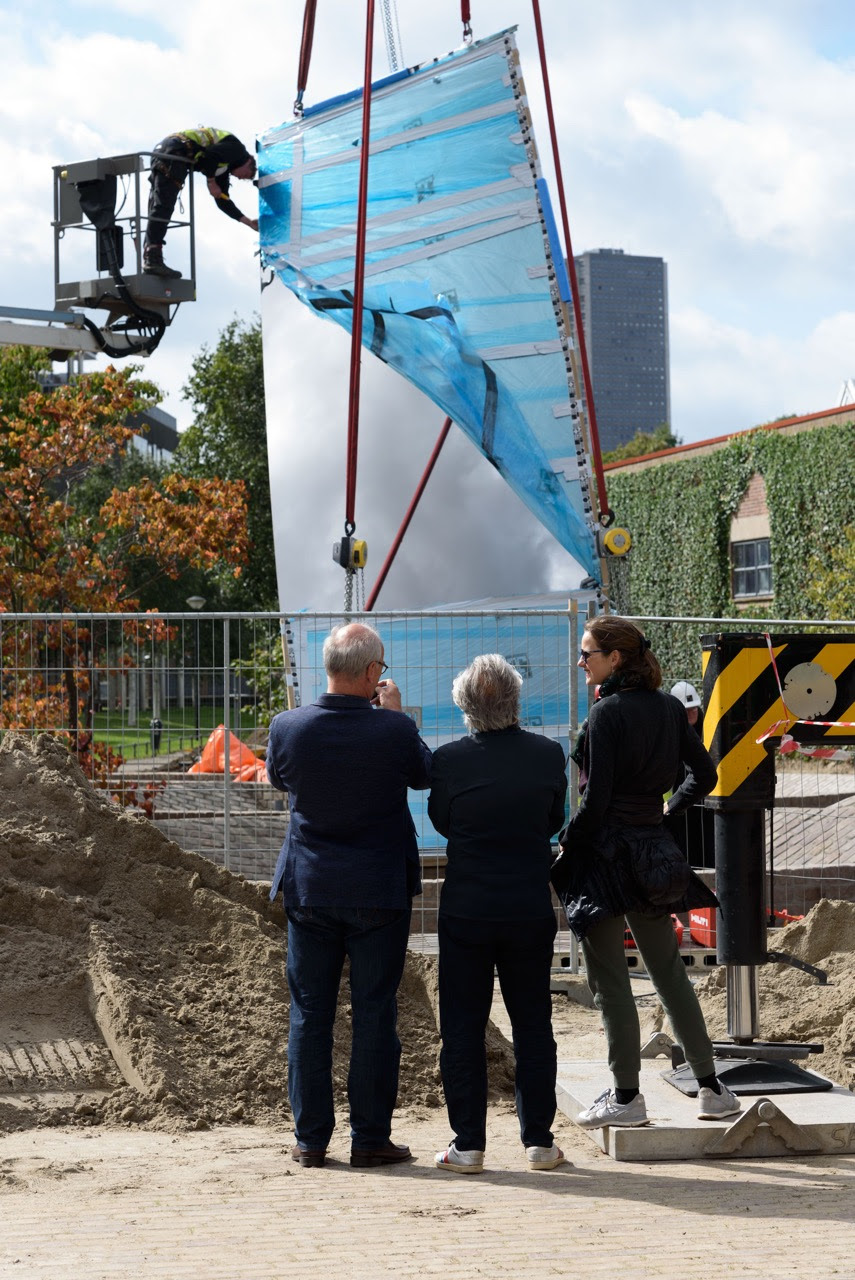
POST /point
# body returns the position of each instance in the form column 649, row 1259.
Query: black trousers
column 168, row 175
column 521, row 953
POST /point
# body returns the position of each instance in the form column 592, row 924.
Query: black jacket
column 499, row 797
column 635, row 741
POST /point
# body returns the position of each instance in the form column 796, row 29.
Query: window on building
column 752, row 568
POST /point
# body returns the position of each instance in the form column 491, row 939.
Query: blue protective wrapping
column 461, row 295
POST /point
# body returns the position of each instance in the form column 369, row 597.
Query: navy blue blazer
column 346, row 766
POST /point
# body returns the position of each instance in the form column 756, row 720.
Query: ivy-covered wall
column 679, row 515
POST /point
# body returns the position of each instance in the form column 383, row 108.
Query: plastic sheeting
column 461, row 292
column 426, row 651
column 244, row 764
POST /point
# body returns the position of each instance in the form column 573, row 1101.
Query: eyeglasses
column 384, row 666
column 585, row 654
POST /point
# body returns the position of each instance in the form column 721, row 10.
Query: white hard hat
column 686, row 693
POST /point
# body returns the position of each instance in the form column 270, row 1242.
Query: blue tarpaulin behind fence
column 426, row 651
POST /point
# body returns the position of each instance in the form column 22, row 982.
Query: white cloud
column 772, row 183
column 716, row 137
column 727, row 378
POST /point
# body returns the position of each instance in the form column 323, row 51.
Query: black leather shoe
column 308, row 1159
column 389, row 1153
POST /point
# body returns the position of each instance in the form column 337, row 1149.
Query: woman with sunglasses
column 619, row 864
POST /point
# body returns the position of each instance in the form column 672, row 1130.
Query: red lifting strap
column 359, row 284
column 596, row 454
column 306, row 48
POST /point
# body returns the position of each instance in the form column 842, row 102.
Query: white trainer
column 459, row 1161
column 712, row 1105
column 608, row 1111
column 544, row 1157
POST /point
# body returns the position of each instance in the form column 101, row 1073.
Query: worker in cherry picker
column 217, row 154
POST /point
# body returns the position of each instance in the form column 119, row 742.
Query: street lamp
column 196, row 603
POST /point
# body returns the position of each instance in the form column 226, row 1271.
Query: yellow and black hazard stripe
column 743, row 703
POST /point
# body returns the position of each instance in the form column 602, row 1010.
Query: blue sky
column 717, row 137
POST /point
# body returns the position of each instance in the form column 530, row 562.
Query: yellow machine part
column 616, row 541
column 358, row 554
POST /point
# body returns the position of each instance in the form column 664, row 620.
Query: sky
column 717, row 137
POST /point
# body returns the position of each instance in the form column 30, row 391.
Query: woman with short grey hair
column 498, row 795
column 488, row 694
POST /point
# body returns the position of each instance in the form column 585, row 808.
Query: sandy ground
column 144, row 1129
column 124, row 1202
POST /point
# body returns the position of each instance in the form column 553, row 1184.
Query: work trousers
column 611, row 986
column 166, row 178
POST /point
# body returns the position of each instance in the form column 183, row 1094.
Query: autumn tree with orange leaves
column 56, row 558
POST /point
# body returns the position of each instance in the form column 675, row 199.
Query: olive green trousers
column 611, row 986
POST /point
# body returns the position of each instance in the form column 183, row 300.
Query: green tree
column 19, row 375
column 644, row 442
column 831, row 592
column 57, row 556
column 126, row 469
column 228, row 439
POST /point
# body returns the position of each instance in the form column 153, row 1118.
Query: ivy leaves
column 679, row 515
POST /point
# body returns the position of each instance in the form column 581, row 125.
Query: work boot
column 153, row 264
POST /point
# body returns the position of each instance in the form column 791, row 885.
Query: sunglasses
column 585, row 654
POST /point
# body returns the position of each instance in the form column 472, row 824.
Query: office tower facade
column 624, row 301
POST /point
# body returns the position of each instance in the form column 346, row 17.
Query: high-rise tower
column 624, row 300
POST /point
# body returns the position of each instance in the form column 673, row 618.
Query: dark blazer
column 346, row 767
column 499, row 797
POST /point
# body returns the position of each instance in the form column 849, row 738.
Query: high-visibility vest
column 203, row 137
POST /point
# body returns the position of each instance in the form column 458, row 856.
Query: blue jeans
column 375, row 941
column 521, row 952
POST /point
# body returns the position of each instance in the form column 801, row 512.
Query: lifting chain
column 354, row 577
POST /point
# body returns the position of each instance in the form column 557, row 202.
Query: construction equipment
column 92, row 237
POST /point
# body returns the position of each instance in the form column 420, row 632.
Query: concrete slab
column 572, row 985
column 789, row 1125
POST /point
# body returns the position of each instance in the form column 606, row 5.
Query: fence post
column 573, row 716
column 572, row 724
column 227, row 747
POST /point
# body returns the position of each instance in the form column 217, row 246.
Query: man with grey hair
column 348, row 869
column 498, row 795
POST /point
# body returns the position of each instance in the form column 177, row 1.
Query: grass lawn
column 178, row 734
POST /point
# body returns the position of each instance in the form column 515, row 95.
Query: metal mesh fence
column 154, row 704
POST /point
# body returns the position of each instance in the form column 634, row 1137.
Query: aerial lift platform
column 99, row 216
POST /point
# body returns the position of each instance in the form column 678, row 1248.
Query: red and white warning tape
column 788, row 743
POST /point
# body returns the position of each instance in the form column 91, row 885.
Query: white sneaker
column 608, row 1111
column 544, row 1157
column 459, row 1161
column 712, row 1105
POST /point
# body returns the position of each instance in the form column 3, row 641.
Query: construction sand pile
column 142, row 984
column 793, row 1006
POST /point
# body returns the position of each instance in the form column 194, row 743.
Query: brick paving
column 229, row 1205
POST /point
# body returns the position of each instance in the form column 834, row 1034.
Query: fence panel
column 153, row 704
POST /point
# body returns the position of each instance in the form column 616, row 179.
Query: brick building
column 755, row 518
